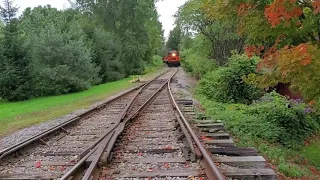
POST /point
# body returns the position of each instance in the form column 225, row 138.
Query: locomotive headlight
column 173, row 54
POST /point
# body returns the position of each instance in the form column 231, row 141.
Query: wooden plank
column 207, row 121
column 168, row 173
column 216, row 135
column 221, row 142
column 250, row 174
column 152, row 160
column 27, row 176
column 151, row 151
column 165, row 135
column 242, row 162
column 210, row 125
column 146, row 143
column 234, row 151
column 212, row 130
column 62, row 153
column 158, row 130
column 47, row 163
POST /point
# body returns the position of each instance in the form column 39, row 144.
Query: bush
column 273, row 119
column 155, row 63
column 106, row 53
column 293, row 119
column 60, row 64
column 226, row 84
column 195, row 59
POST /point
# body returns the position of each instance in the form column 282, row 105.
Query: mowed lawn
column 18, row 115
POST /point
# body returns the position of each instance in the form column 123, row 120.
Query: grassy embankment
column 298, row 162
column 281, row 134
column 19, row 115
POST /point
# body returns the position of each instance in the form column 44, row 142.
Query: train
column 172, row 59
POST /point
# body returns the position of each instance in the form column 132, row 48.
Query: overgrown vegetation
column 280, row 41
column 51, row 52
column 226, row 85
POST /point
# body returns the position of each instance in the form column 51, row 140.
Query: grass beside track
column 18, row 115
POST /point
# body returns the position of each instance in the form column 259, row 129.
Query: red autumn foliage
column 316, row 6
column 282, row 10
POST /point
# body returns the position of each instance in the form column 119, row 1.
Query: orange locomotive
column 172, row 59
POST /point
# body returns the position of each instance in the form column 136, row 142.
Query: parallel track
column 52, row 153
column 144, row 133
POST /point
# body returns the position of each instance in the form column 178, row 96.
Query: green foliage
column 294, row 120
column 226, row 84
column 106, row 54
column 14, row 73
column 49, row 52
column 154, row 64
column 254, row 128
column 290, row 170
column 60, row 64
column 174, row 39
column 194, row 56
column 222, row 37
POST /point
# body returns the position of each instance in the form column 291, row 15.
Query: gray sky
column 166, row 9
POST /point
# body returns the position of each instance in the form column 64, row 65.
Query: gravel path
column 184, row 86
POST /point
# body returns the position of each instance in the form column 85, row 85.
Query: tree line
column 283, row 34
column 47, row 51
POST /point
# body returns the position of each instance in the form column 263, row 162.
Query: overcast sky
column 166, row 9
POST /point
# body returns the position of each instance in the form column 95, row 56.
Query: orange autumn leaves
column 285, row 59
column 280, row 11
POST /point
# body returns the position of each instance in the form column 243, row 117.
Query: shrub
column 196, row 63
column 196, row 59
column 155, row 63
column 60, row 64
column 226, row 84
column 106, row 54
column 294, row 119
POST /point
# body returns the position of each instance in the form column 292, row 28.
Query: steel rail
column 108, row 144
column 106, row 138
column 35, row 138
column 211, row 169
column 7, row 151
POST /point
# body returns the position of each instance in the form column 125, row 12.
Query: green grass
column 288, row 162
column 18, row 115
column 312, row 152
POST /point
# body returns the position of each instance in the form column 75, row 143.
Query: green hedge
column 226, row 84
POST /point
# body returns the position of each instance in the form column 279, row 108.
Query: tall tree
column 8, row 11
column 174, row 38
column 192, row 17
column 15, row 76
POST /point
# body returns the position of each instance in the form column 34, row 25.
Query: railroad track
column 49, row 155
column 141, row 134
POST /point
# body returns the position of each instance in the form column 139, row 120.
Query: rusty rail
column 108, row 139
column 211, row 169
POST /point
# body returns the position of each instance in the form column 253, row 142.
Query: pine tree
column 14, row 74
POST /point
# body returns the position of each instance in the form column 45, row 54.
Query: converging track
column 140, row 134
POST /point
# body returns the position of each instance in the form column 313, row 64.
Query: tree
column 14, row 74
column 192, row 17
column 174, row 39
column 8, row 11
column 284, row 33
column 132, row 22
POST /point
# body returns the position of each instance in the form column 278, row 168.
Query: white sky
column 166, row 9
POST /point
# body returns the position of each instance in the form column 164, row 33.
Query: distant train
column 172, row 58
